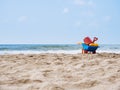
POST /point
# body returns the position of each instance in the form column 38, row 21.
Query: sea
column 53, row 48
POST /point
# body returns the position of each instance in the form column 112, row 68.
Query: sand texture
column 60, row 72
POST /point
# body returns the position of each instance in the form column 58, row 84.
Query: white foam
column 109, row 51
column 39, row 52
column 52, row 51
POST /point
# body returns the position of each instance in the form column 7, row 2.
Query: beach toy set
column 89, row 46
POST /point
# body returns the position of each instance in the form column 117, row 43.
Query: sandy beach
column 60, row 72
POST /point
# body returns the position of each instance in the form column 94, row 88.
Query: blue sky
column 59, row 21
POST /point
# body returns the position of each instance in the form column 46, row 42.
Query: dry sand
column 60, row 72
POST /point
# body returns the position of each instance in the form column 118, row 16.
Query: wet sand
column 60, row 72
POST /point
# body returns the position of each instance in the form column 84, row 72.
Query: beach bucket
column 89, row 48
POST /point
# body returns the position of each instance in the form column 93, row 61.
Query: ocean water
column 52, row 48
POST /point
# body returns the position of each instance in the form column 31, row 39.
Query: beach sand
column 60, row 72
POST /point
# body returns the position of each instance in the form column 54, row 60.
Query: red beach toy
column 87, row 40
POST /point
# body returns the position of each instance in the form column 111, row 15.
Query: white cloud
column 91, row 3
column 85, row 3
column 107, row 18
column 66, row 10
column 77, row 24
column 22, row 18
column 94, row 24
column 80, row 2
column 87, row 13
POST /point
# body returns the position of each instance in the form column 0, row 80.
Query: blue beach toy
column 86, row 48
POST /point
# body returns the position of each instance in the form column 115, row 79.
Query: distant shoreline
column 52, row 48
column 51, row 52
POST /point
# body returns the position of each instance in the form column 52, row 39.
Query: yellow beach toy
column 93, row 44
